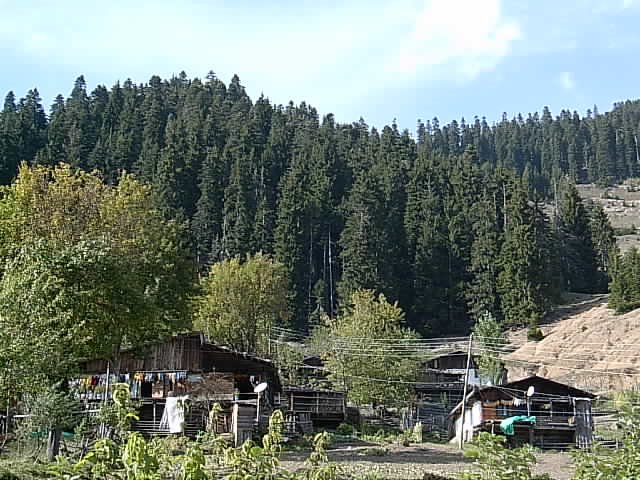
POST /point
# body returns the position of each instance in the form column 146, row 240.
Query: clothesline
column 161, row 371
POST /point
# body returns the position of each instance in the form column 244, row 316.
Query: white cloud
column 275, row 49
column 627, row 3
column 566, row 80
column 472, row 36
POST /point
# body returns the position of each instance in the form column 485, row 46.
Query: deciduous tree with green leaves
column 488, row 332
column 88, row 269
column 356, row 358
column 241, row 301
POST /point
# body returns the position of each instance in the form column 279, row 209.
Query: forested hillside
column 449, row 222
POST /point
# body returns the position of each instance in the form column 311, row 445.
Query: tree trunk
column 116, row 361
column 53, row 444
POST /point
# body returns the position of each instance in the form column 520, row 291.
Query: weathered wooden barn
column 442, row 379
column 553, row 416
column 188, row 365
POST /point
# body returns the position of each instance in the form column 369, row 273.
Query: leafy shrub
column 51, row 409
column 118, row 415
column 496, row 462
column 345, row 429
column 405, row 438
column 138, row 459
column 535, row 334
column 5, row 475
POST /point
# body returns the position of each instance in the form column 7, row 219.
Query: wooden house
column 561, row 414
column 188, row 365
column 442, row 379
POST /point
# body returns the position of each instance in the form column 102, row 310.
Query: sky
column 400, row 60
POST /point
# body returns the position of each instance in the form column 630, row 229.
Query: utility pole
column 330, row 278
column 464, row 391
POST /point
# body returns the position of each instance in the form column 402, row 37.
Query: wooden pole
column 106, row 390
column 258, row 410
column 464, row 392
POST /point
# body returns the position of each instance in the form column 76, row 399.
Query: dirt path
column 413, row 462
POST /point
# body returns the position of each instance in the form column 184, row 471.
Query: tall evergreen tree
column 207, row 222
column 519, row 295
column 579, row 265
column 482, row 294
column 10, row 140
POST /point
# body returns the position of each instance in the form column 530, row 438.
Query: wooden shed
column 187, row 365
column 562, row 414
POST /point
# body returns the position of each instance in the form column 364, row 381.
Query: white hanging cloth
column 173, row 416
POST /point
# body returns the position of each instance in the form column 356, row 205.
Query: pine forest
column 450, row 221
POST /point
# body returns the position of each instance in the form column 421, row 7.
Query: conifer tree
column 155, row 117
column 9, row 140
column 170, row 174
column 603, row 241
column 78, row 126
column 578, row 256
column 239, row 199
column 482, row 294
column 207, row 222
column 519, row 296
column 361, row 247
column 427, row 247
column 291, row 235
column 625, row 281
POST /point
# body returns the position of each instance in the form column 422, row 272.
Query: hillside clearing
column 586, row 344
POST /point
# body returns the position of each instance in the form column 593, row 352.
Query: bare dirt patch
column 586, row 345
column 413, row 462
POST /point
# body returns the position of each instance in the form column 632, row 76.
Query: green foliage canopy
column 489, row 334
column 356, row 358
column 88, row 269
column 241, row 300
column 625, row 281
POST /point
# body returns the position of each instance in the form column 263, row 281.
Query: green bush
column 5, row 475
column 535, row 334
column 345, row 429
column 138, row 459
column 497, row 462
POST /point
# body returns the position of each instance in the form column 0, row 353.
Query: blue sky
column 405, row 59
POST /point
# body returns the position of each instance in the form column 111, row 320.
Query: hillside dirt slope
column 586, row 345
